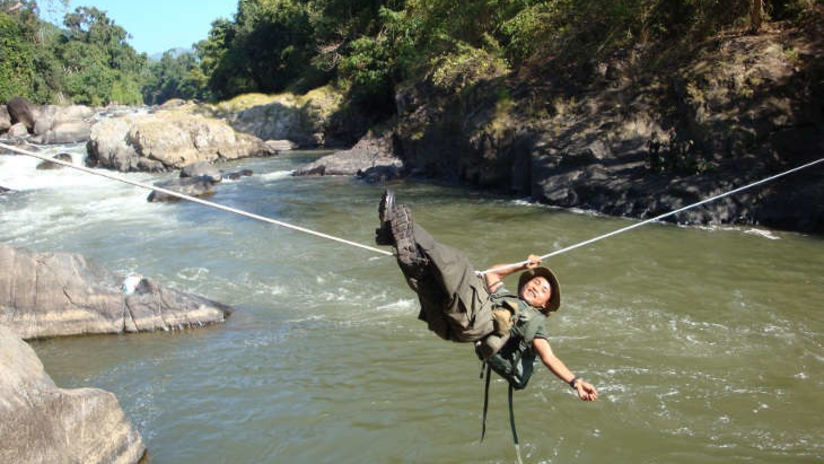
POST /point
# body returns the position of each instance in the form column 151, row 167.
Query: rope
column 195, row 200
column 656, row 218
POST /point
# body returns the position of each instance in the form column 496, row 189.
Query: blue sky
column 156, row 25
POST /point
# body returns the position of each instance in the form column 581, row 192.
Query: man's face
column 536, row 292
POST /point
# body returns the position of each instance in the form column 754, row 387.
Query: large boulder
column 21, row 110
column 63, row 124
column 43, row 423
column 167, row 140
column 202, row 186
column 65, row 132
column 3, row 190
column 52, row 294
column 369, row 153
column 17, row 130
column 5, row 119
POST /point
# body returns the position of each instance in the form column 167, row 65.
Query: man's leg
column 452, row 296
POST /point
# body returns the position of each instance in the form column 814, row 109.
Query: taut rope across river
column 384, row 252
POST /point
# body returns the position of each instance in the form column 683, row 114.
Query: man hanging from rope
column 460, row 306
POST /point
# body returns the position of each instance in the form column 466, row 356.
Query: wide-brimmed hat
column 554, row 301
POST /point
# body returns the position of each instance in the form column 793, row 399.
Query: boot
column 412, row 261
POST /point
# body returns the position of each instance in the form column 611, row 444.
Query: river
column 706, row 344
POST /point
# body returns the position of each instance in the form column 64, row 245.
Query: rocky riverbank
column 54, row 294
column 44, row 423
column 645, row 132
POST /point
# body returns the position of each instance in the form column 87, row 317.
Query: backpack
column 514, row 361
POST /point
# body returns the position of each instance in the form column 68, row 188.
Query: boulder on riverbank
column 371, row 153
column 44, row 423
column 167, row 140
column 22, row 111
column 53, row 294
column 63, row 124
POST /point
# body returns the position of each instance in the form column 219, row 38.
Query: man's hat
column 554, row 301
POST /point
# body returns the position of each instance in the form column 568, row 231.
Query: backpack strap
column 511, row 413
column 486, row 400
column 512, row 424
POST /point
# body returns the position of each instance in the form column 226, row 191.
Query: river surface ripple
column 707, row 344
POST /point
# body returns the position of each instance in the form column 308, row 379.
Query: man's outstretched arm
column 585, row 390
column 495, row 276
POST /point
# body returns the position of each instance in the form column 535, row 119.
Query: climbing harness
column 656, row 218
column 196, row 200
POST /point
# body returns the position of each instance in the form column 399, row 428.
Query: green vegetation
column 365, row 48
column 88, row 62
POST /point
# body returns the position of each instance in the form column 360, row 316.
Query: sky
column 155, row 25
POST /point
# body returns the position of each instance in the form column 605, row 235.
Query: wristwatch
column 572, row 382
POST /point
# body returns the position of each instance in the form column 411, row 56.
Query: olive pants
column 454, row 300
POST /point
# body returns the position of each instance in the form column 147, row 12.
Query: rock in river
column 43, row 423
column 167, row 140
column 193, row 186
column 53, row 294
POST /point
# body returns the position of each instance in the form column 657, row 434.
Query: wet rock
column 17, row 130
column 60, row 157
column 192, row 186
column 380, row 174
column 22, row 111
column 5, row 119
column 370, row 152
column 167, row 140
column 237, row 174
column 4, row 190
column 45, row 423
column 280, row 145
column 201, row 169
column 54, row 294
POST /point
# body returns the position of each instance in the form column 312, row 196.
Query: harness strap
column 486, row 400
column 512, row 424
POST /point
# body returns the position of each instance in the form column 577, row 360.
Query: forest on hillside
column 365, row 48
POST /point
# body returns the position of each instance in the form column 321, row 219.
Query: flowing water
column 707, row 345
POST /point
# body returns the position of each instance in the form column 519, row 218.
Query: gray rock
column 54, row 294
column 3, row 190
column 5, row 119
column 109, row 147
column 237, row 174
column 17, row 130
column 60, row 156
column 280, row 145
column 370, row 152
column 166, row 140
column 45, row 423
column 192, row 186
column 380, row 174
column 65, row 132
column 22, row 111
column 201, row 169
